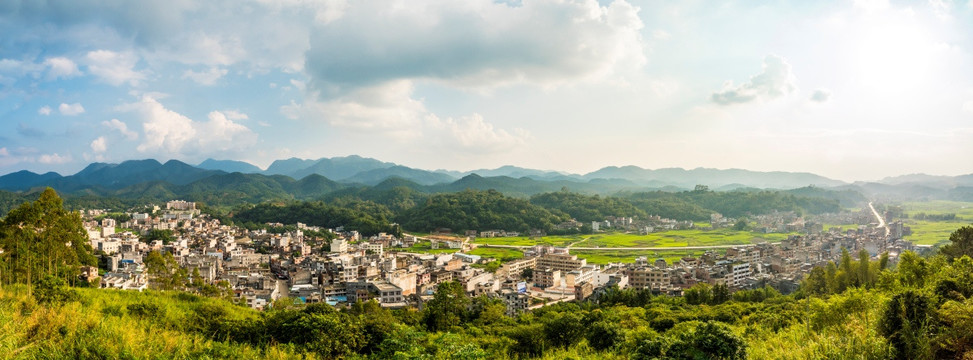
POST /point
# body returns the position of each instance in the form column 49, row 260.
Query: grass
column 932, row 232
column 680, row 238
column 963, row 210
column 101, row 326
column 502, row 254
column 925, row 232
column 426, row 248
column 526, row 241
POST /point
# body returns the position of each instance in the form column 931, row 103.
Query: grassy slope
column 101, row 326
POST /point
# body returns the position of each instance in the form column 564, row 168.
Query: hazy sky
column 853, row 90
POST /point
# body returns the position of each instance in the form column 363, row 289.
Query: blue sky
column 853, row 90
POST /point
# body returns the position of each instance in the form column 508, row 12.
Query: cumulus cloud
column 61, row 68
column 168, row 132
column 775, row 80
column 968, row 107
column 99, row 145
column 471, row 44
column 54, row 158
column 820, row 95
column 115, row 124
column 71, row 109
column 473, row 133
column 115, row 68
column 389, row 110
column 207, row 77
column 44, row 110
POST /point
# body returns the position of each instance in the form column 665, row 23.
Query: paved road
column 881, row 220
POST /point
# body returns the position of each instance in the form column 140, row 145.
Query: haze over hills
column 300, row 178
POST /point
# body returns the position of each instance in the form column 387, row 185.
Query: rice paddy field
column 526, row 241
column 928, row 232
column 681, row 238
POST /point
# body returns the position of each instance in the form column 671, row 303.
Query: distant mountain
column 288, row 166
column 339, row 168
column 714, row 178
column 937, row 181
column 423, row 177
column 23, row 180
column 113, row 176
column 519, row 172
column 230, row 166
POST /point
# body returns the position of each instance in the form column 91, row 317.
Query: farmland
column 931, row 231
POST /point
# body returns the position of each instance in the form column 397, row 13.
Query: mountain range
column 302, row 178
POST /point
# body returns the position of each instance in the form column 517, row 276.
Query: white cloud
column 115, row 68
column 115, row 124
column 99, row 145
column 872, row 5
column 775, row 80
column 968, row 107
column 473, row 134
column 235, row 115
column 821, row 95
column 208, row 77
column 391, row 112
column 61, row 68
column 171, row 133
column 44, row 110
column 54, row 158
column 381, row 109
column 474, row 44
column 71, row 109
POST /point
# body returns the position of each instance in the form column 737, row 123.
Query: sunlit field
column 931, row 232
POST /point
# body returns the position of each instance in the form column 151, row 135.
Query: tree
column 604, row 335
column 164, row 272
column 721, row 294
column 563, row 329
column 960, row 243
column 865, row 277
column 41, row 239
column 740, row 225
column 447, row 308
column 701, row 293
column 907, row 322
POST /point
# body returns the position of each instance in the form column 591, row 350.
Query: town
column 258, row 267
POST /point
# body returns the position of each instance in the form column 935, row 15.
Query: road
column 881, row 220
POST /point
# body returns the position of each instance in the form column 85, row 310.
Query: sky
column 852, row 90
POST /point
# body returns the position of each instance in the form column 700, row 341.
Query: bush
column 51, row 291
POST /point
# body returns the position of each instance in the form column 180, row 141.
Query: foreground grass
column 102, row 325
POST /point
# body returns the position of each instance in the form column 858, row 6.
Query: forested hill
column 478, row 210
column 487, row 210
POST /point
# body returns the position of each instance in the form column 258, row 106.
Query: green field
column 963, row 210
column 925, row 232
column 628, row 256
column 502, row 254
column 932, row 232
column 680, row 238
column 525, row 241
column 424, row 247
